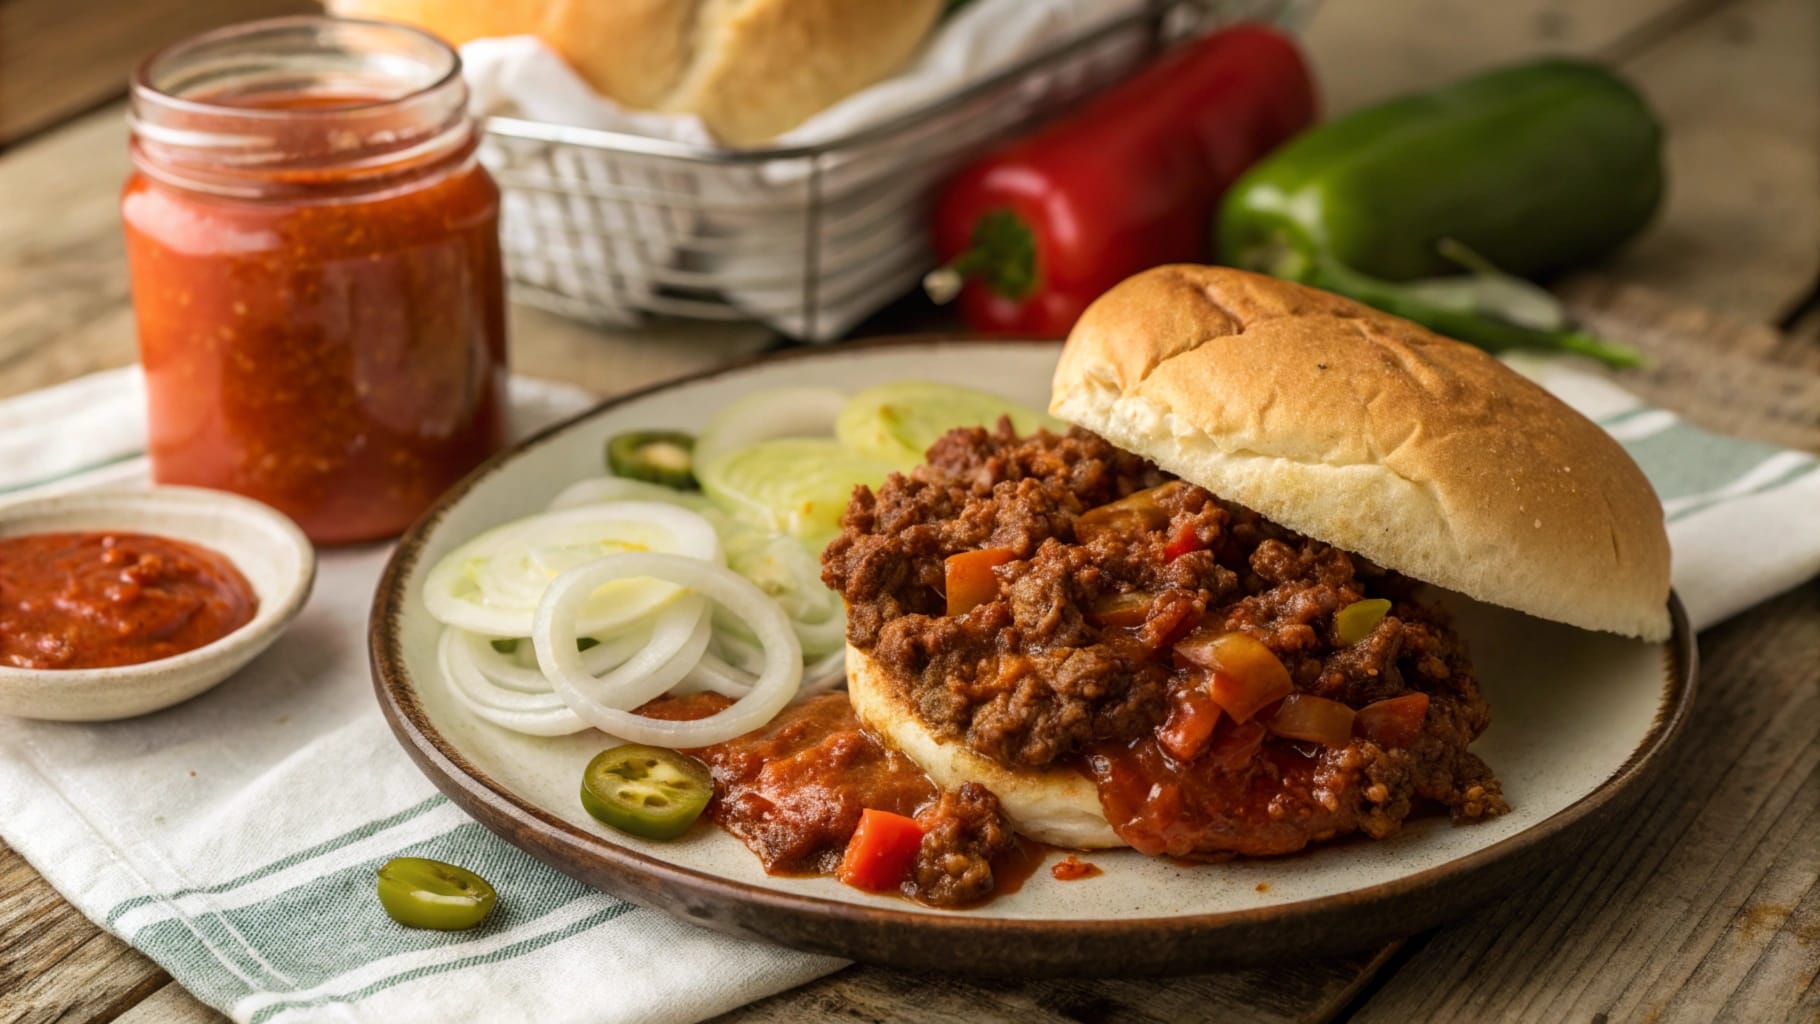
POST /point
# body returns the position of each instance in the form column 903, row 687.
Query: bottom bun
column 1057, row 806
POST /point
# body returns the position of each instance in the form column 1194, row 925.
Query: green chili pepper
column 647, row 791
column 664, row 457
column 421, row 893
column 1516, row 173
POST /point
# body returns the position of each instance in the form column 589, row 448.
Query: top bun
column 1375, row 435
column 751, row 69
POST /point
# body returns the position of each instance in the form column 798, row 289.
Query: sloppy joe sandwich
column 1200, row 622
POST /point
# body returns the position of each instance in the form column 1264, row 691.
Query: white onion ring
column 764, row 415
column 599, row 489
column 713, row 675
column 826, row 673
column 456, row 600
column 504, row 670
column 771, row 691
column 679, row 636
column 533, row 714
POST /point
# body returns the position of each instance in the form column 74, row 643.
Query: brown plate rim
column 967, row 941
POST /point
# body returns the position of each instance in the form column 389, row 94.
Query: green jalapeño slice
column 647, row 791
column 422, row 893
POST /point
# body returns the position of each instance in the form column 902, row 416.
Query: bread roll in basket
column 750, row 69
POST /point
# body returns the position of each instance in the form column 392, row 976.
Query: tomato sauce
column 96, row 600
column 321, row 321
column 793, row 793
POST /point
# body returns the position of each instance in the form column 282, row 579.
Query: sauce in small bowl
column 105, row 598
column 114, row 604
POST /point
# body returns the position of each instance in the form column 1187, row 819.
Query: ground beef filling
column 1071, row 662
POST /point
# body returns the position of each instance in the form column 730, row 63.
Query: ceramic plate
column 1580, row 720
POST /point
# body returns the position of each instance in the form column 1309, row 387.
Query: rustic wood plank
column 1366, row 52
column 54, row 964
column 170, row 1005
column 1311, row 991
column 58, row 59
column 1721, row 372
column 1738, row 230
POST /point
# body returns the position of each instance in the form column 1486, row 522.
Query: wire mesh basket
column 613, row 227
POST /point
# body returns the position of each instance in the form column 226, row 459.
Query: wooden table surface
column 1704, row 906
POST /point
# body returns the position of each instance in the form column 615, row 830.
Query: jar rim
column 299, row 104
column 145, row 87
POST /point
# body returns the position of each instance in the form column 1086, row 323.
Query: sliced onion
column 596, row 490
column 826, row 673
column 768, row 414
column 492, row 583
column 533, row 714
column 771, row 691
column 786, row 570
column 713, row 675
column 508, row 671
column 739, row 651
column 679, row 636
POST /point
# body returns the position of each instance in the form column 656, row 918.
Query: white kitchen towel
column 234, row 838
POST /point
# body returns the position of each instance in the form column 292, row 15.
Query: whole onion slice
column 505, row 670
column 534, row 714
column 595, row 490
column 492, row 583
column 768, row 414
column 679, row 636
column 774, row 688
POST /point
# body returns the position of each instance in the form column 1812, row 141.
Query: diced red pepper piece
column 1192, row 718
column 1181, row 542
column 1246, row 675
column 1396, row 722
column 1303, row 716
column 882, row 851
column 970, row 581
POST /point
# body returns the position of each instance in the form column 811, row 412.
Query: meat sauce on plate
column 793, row 792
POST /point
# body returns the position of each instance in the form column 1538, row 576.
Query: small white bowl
column 267, row 548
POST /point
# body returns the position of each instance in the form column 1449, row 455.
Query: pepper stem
column 943, row 283
column 1001, row 256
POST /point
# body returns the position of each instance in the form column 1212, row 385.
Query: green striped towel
column 234, row 838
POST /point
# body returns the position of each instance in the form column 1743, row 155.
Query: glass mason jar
column 314, row 251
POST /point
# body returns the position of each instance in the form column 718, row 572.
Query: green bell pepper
column 1516, row 173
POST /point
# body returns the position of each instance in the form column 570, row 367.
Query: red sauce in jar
column 320, row 312
column 95, row 600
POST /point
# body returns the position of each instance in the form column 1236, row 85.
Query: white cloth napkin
column 234, row 838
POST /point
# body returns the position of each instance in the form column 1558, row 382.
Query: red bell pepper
column 1037, row 229
column 882, row 851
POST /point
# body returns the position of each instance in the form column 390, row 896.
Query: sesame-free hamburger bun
column 1375, row 435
